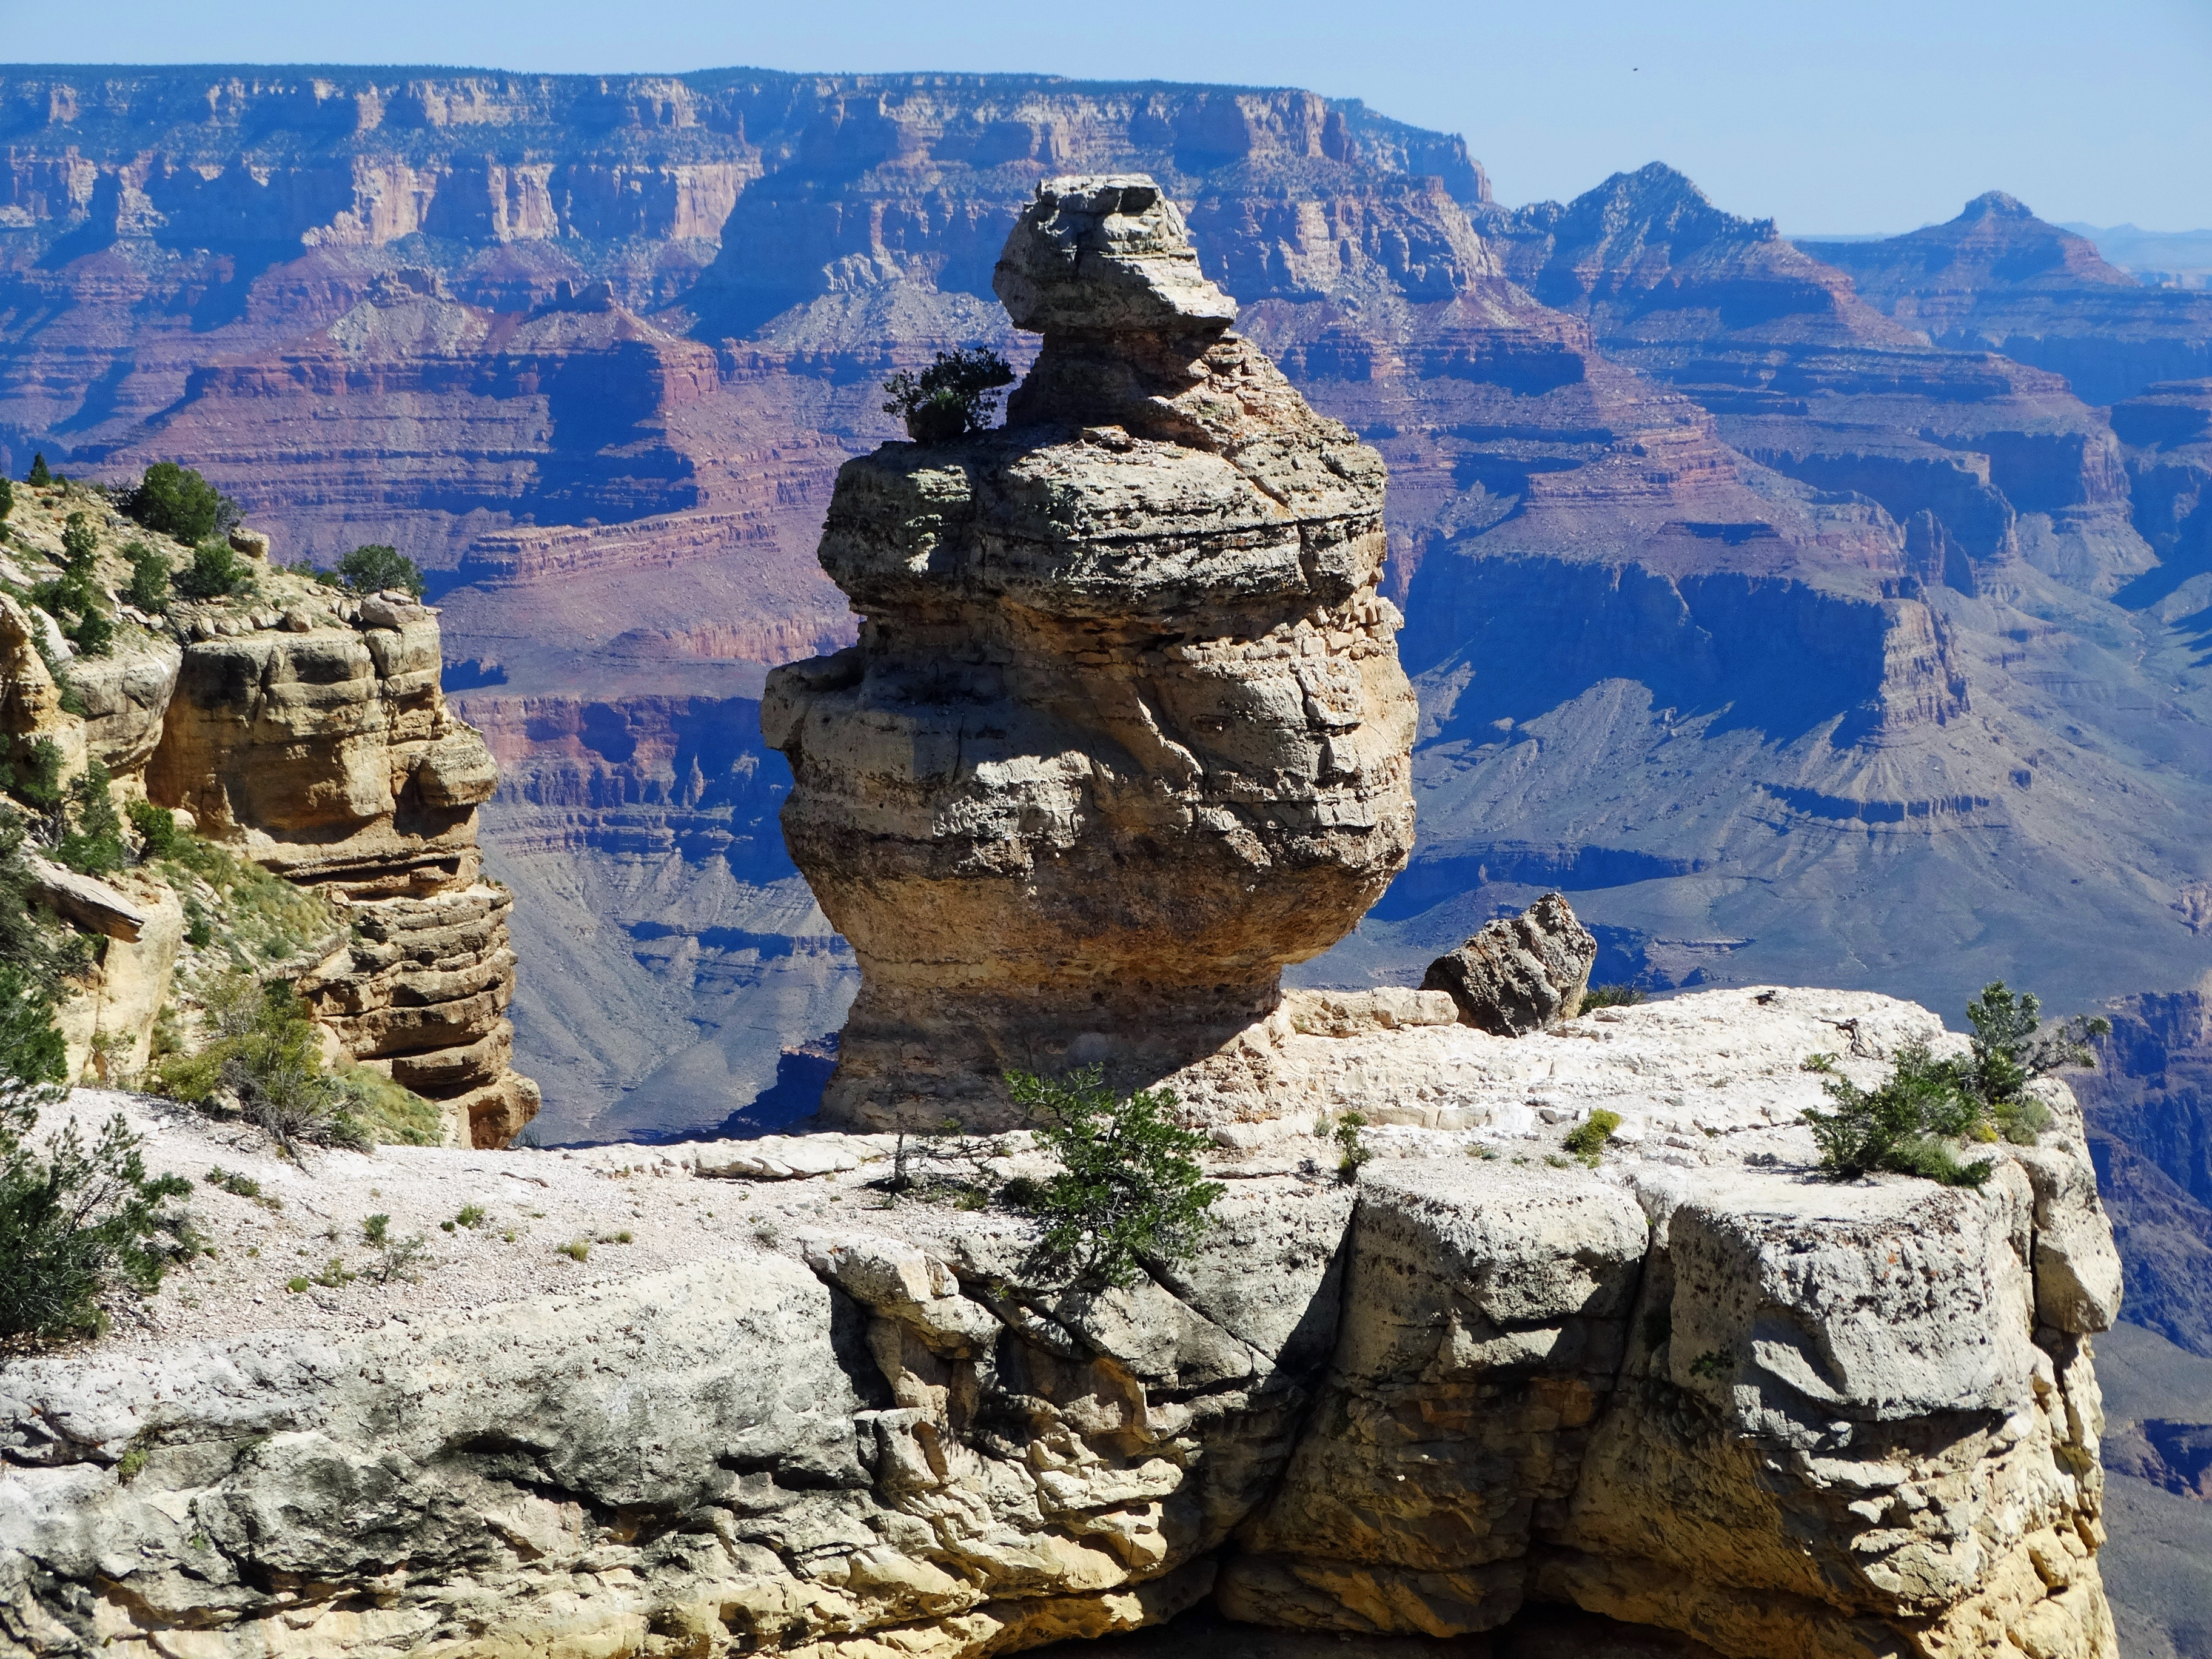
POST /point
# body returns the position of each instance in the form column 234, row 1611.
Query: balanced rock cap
column 1106, row 254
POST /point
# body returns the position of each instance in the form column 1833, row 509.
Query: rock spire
column 1124, row 731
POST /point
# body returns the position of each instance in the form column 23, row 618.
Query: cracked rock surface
column 1694, row 1398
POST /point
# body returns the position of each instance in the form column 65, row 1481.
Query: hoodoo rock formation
column 1124, row 731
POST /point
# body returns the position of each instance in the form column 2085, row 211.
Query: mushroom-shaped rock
column 1125, row 732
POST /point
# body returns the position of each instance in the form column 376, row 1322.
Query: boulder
column 1520, row 973
column 90, row 904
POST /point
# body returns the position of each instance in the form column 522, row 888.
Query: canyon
column 1851, row 650
column 1577, row 1339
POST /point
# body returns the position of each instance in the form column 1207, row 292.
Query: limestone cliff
column 303, row 728
column 1124, row 731
column 1694, row 1389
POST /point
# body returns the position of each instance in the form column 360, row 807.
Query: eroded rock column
column 1124, row 731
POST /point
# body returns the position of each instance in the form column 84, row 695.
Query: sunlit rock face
column 1124, row 731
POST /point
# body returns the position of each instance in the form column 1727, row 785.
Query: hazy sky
column 1870, row 115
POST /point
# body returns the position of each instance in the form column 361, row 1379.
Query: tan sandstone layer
column 304, row 728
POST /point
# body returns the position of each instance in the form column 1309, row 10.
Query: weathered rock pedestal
column 1124, row 731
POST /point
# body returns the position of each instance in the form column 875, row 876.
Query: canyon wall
column 1996, row 278
column 1796, row 604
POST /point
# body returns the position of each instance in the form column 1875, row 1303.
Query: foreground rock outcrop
column 302, row 728
column 1124, row 731
column 1692, row 1389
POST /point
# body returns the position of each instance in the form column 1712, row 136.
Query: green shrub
column 39, row 477
column 1903, row 1126
column 2009, row 1050
column 74, row 600
column 94, row 847
column 176, row 500
column 375, row 567
column 157, row 827
column 46, row 954
column 1588, row 1139
column 80, row 546
column 1129, row 1185
column 267, row 1054
column 242, row 1186
column 75, row 604
column 37, row 778
column 215, row 573
column 32, row 1051
column 7, row 498
column 1352, row 1151
column 1908, row 1124
column 1611, row 996
column 955, row 395
column 75, row 1224
column 398, row 1258
column 149, row 579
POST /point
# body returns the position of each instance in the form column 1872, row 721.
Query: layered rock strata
column 1124, row 731
column 305, row 729
column 1692, row 1390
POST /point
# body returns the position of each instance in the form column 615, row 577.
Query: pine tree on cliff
column 40, row 476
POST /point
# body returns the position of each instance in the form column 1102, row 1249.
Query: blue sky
column 1871, row 115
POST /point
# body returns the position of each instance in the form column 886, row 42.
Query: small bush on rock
column 76, row 1224
column 215, row 573
column 2009, row 1050
column 1353, row 1153
column 94, row 847
column 1588, row 1139
column 375, row 567
column 266, row 1064
column 157, row 827
column 1909, row 1124
column 1902, row 1125
column 1129, row 1186
column 149, row 579
column 954, row 396
column 37, row 777
column 176, row 500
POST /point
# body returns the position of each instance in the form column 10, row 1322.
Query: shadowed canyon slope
column 1790, row 627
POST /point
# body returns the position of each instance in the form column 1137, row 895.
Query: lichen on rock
column 1124, row 731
